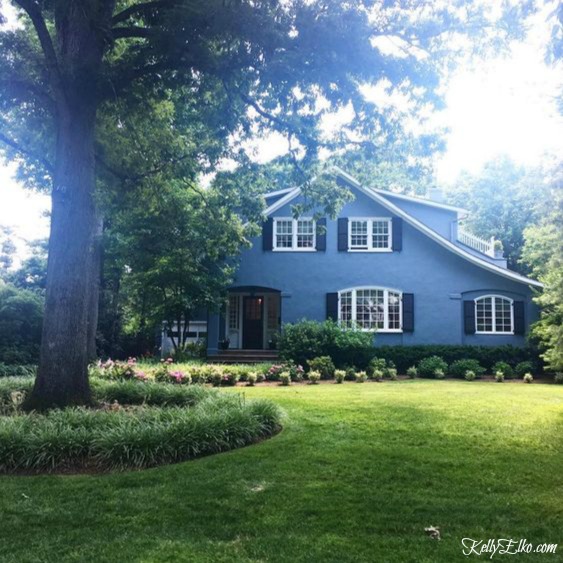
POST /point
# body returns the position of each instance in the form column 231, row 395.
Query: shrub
column 439, row 374
column 251, row 379
column 392, row 374
column 504, row 368
column 314, row 377
column 412, row 372
column 460, row 367
column 487, row 356
column 295, row 371
column 428, row 366
column 306, row 340
column 528, row 378
column 361, row 377
column 376, row 364
column 350, row 374
column 499, row 377
column 260, row 377
column 558, row 378
column 470, row 375
column 274, row 372
column 229, row 377
column 324, row 365
column 523, row 368
column 216, row 378
column 339, row 376
column 116, row 438
column 376, row 375
column 285, row 378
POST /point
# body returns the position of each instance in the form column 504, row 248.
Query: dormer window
column 370, row 234
column 294, row 234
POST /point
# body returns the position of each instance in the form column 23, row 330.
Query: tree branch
column 34, row 12
column 138, row 9
column 133, row 31
column 26, row 152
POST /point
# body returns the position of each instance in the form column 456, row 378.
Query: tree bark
column 62, row 377
column 94, row 303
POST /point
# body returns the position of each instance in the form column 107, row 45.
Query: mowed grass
column 356, row 475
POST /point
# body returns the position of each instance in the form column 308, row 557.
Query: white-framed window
column 370, row 234
column 234, row 312
column 494, row 314
column 371, row 308
column 294, row 234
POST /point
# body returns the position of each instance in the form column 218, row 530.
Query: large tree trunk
column 94, row 304
column 62, row 378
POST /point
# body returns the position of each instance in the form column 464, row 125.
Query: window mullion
column 370, row 234
column 353, row 304
column 494, row 313
column 385, row 310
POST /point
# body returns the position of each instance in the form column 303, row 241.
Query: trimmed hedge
column 132, row 437
column 407, row 356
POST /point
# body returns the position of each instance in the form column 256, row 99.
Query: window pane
column 346, row 307
column 284, row 233
column 370, row 312
column 233, row 312
column 380, row 234
column 484, row 314
column 305, row 233
column 394, row 312
column 503, row 313
column 359, row 234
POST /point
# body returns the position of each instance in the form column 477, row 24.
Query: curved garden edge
column 119, row 437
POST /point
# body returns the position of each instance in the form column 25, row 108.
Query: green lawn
column 356, row 475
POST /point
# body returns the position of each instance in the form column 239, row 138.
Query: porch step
column 243, row 356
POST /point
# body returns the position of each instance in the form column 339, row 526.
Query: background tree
column 543, row 253
column 502, row 201
column 73, row 65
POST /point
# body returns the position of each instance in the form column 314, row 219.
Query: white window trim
column 493, row 313
column 370, row 221
column 294, row 247
column 386, row 291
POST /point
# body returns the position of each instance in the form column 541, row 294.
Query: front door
column 253, row 323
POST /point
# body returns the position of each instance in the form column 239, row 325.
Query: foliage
column 313, row 377
column 412, row 372
column 528, row 378
column 361, row 377
column 379, row 364
column 339, row 376
column 377, row 374
column 499, row 377
column 543, row 252
column 428, row 366
column 21, row 317
column 350, row 374
column 17, row 370
column 460, row 367
column 285, row 378
column 306, row 340
column 324, row 365
column 406, row 356
column 131, row 437
column 470, row 375
column 522, row 368
column 504, row 368
column 558, row 378
column 439, row 374
column 251, row 379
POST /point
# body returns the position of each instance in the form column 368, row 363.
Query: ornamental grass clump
column 470, row 375
column 339, row 376
column 251, row 379
column 285, row 378
column 392, row 374
column 499, row 377
column 119, row 438
column 412, row 372
column 376, row 374
column 528, row 378
column 314, row 377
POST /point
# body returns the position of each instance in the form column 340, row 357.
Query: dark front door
column 252, row 323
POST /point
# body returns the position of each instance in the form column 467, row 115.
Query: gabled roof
column 377, row 196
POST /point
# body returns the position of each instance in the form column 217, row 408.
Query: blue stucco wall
column 439, row 279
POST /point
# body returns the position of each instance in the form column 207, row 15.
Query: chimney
column 436, row 194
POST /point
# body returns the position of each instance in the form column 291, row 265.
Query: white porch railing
column 482, row 245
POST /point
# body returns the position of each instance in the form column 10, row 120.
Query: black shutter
column 268, row 234
column 469, row 317
column 519, row 318
column 397, row 230
column 408, row 312
column 332, row 306
column 321, row 235
column 343, row 234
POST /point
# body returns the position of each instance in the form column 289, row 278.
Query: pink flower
column 141, row 375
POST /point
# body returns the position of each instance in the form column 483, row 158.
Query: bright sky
column 506, row 105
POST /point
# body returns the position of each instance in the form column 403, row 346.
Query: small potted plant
column 224, row 343
column 498, row 249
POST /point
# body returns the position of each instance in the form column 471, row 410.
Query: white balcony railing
column 482, row 245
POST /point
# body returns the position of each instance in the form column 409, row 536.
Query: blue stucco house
column 400, row 265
